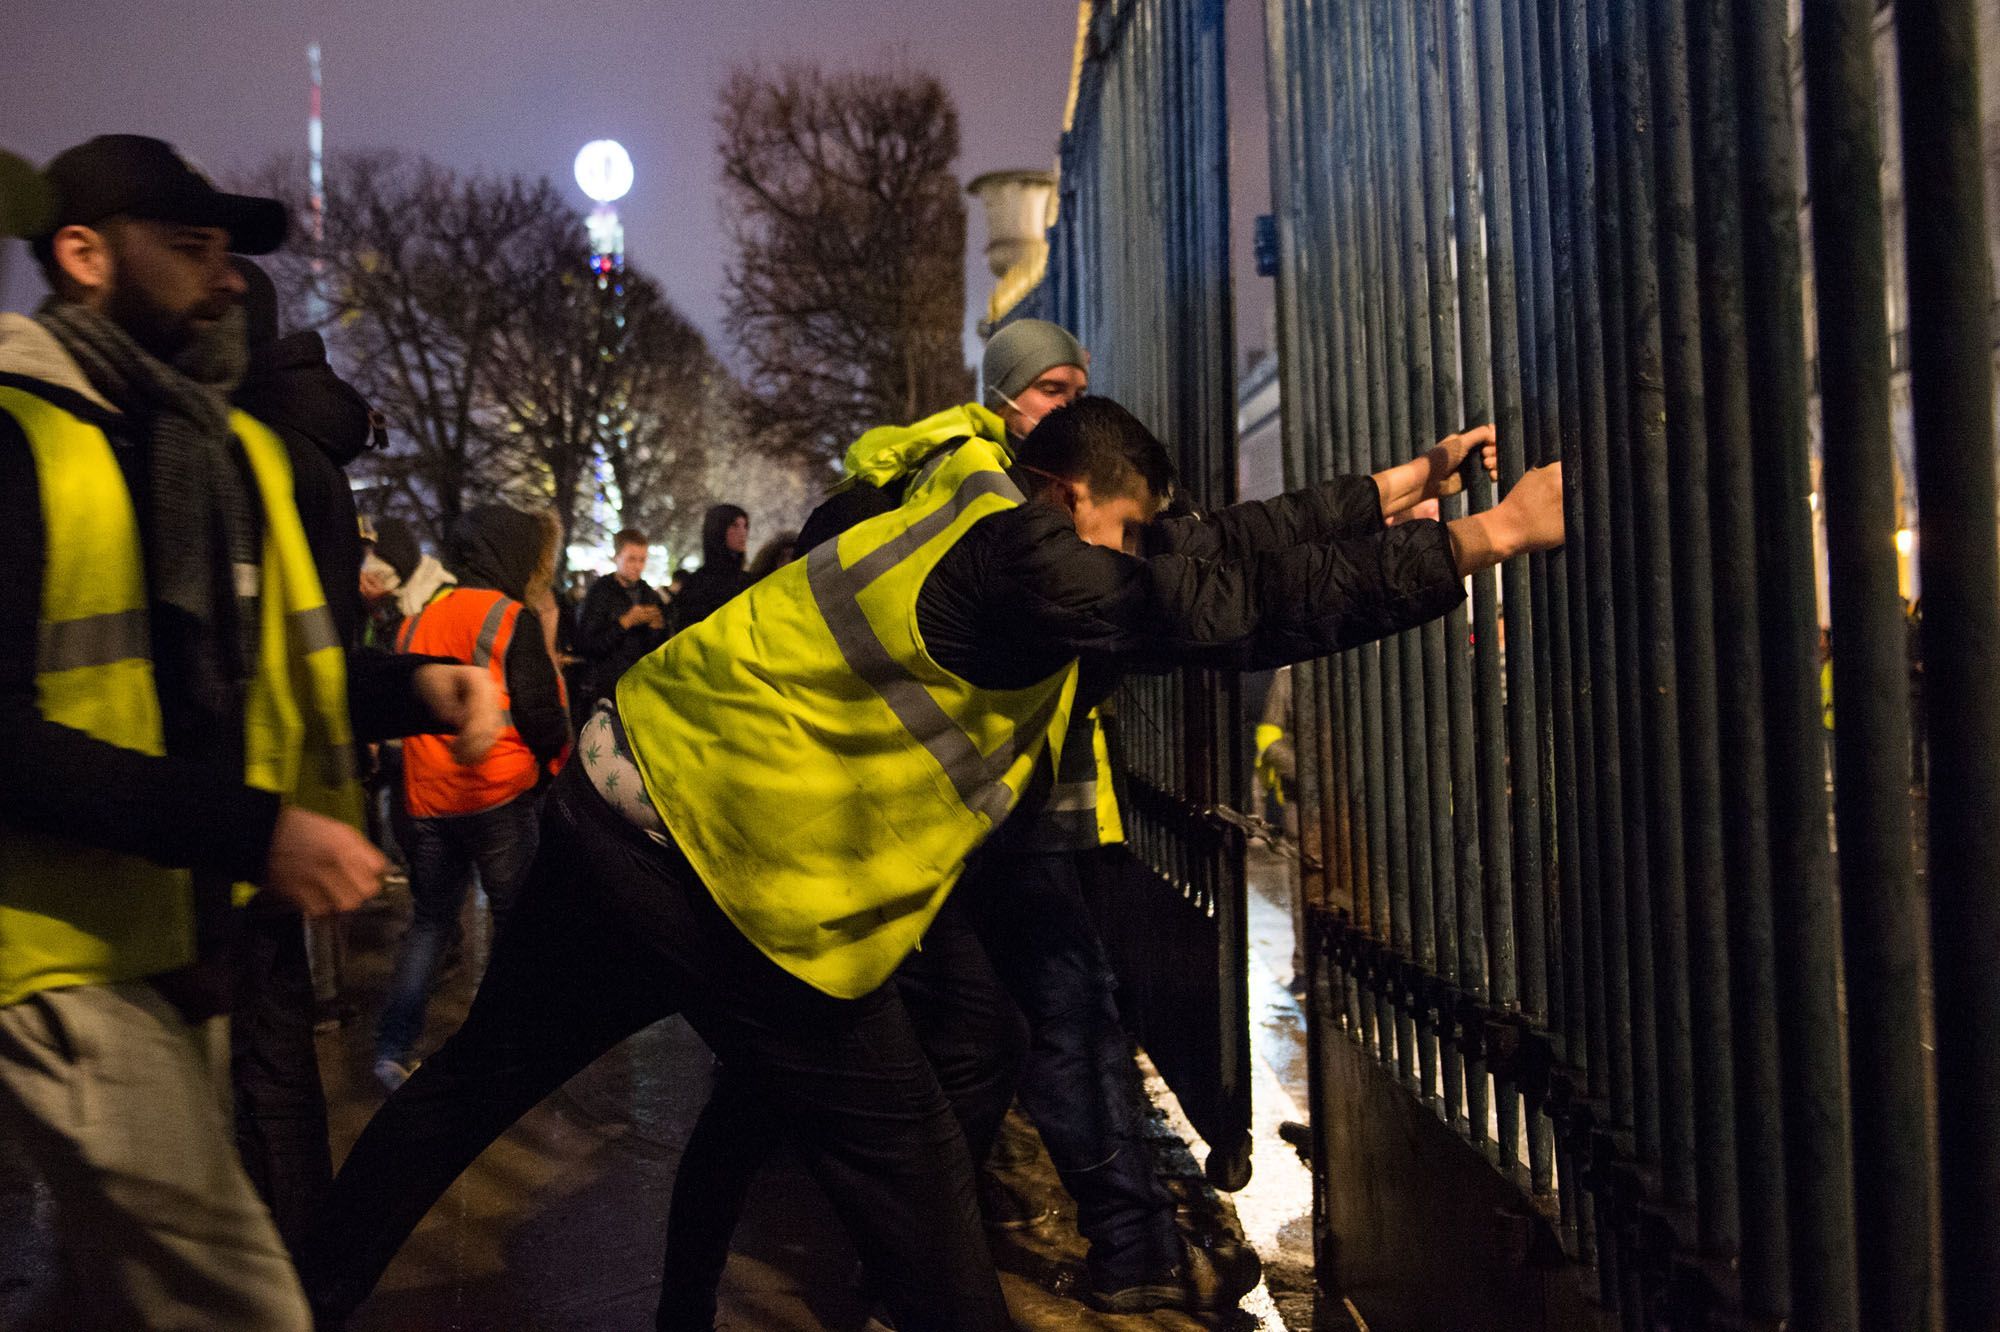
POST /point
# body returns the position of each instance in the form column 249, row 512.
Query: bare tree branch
column 847, row 293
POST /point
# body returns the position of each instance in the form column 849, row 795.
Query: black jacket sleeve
column 58, row 781
column 598, row 632
column 382, row 700
column 1346, row 506
column 1021, row 594
column 532, row 693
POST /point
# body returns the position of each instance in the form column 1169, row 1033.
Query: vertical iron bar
column 1541, row 408
column 1620, row 663
column 1444, row 641
column 1421, row 690
column 1577, row 875
column 1694, row 633
column 1882, row 934
column 1818, row 1158
column 1363, row 745
column 1384, row 826
column 1951, row 287
column 1764, row 1269
column 1653, row 537
column 1390, row 426
column 1515, row 758
column 1589, row 509
column 1491, row 930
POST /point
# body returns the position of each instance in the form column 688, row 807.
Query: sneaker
column 1206, row 1280
column 392, row 1073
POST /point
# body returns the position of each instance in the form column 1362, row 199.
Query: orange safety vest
column 473, row 625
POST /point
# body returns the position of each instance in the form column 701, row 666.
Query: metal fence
column 1586, row 871
column 1139, row 269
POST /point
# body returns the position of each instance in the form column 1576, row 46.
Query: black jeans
column 968, row 1028
column 612, row 933
column 1078, row 1083
column 1016, row 936
column 274, row 1068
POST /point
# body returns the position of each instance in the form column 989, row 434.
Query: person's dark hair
column 779, row 551
column 629, row 536
column 1095, row 440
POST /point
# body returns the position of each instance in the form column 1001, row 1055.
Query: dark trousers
column 1078, row 1083
column 1016, row 936
column 444, row 852
column 967, row 1027
column 274, row 1069
column 612, row 933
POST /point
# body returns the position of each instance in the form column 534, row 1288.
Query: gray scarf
column 202, row 514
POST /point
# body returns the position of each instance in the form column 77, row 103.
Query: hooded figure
column 420, row 577
column 480, row 815
column 502, row 548
column 721, row 575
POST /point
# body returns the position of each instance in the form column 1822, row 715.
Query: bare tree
column 848, row 291
column 597, row 368
column 426, row 278
column 463, row 309
column 675, row 416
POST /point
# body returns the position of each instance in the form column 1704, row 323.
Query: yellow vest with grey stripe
column 77, row 915
column 1081, row 808
column 823, row 774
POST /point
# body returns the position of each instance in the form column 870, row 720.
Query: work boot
column 1206, row 1280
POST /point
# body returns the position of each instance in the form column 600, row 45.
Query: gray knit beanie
column 1021, row 351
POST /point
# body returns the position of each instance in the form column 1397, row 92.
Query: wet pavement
column 559, row 1225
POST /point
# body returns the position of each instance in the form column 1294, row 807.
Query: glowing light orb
column 604, row 170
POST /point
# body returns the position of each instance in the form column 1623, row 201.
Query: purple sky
column 520, row 85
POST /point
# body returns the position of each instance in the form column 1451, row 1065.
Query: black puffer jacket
column 608, row 647
column 1249, row 586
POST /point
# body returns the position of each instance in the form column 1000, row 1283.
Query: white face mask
column 1032, row 421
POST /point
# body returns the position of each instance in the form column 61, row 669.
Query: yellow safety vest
column 889, row 453
column 1081, row 810
column 822, row 773
column 78, row 915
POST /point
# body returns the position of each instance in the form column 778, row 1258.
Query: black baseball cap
column 131, row 175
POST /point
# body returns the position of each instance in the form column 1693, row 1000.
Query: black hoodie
column 721, row 574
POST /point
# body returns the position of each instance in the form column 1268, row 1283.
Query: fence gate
column 1622, row 1002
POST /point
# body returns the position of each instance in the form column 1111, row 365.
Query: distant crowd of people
column 746, row 797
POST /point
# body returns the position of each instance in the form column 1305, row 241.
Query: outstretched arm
column 1437, row 471
column 1529, row 519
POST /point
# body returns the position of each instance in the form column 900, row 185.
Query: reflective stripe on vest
column 978, row 778
column 823, row 774
column 1081, row 811
column 76, row 915
column 474, row 625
